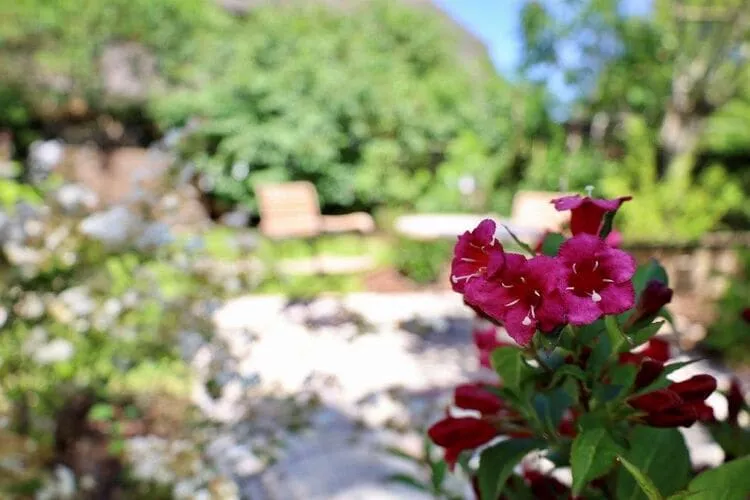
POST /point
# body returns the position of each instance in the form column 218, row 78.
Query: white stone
column 56, row 351
column 113, row 227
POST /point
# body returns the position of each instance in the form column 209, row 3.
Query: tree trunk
column 679, row 133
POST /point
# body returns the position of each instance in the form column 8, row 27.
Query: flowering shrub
column 586, row 387
column 96, row 308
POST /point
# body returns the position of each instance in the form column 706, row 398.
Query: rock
column 113, row 227
column 128, row 71
column 154, row 235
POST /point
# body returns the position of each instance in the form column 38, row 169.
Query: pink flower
column 486, row 341
column 614, row 239
column 587, row 214
column 473, row 253
column 523, row 294
column 598, row 279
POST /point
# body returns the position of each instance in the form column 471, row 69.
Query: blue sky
column 496, row 22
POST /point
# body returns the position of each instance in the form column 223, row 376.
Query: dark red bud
column 696, row 388
column 475, row 397
column 648, row 373
column 655, row 296
column 704, row 412
column 746, row 314
column 676, row 417
column 657, row 349
column 463, row 433
column 656, row 401
column 544, row 487
column 735, row 401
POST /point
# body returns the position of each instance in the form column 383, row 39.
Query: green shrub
column 729, row 335
column 363, row 105
column 676, row 205
column 85, row 316
column 422, row 261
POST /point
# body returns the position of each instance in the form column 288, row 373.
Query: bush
column 362, row 105
column 729, row 335
column 95, row 308
column 678, row 205
column 422, row 261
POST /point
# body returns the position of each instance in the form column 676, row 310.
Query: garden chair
column 292, row 210
column 534, row 210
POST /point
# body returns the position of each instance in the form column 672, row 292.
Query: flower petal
column 617, row 264
column 547, row 271
column 485, row 231
column 514, row 324
column 581, row 310
column 567, row 202
column 581, row 247
column 617, row 298
column 489, row 296
column 553, row 311
column 609, row 205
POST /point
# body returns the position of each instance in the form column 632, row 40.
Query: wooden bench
column 292, row 210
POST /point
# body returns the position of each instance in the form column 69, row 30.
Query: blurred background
column 226, row 225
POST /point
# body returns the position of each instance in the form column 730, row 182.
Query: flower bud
column 735, row 401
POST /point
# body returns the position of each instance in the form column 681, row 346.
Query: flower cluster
column 586, row 383
column 587, row 279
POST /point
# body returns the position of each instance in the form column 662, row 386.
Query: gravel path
column 376, row 366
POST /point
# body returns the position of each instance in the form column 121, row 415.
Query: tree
column 362, row 104
column 677, row 67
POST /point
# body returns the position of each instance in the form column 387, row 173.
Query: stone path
column 377, row 365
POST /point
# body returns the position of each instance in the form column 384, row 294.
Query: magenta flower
column 473, row 253
column 523, row 294
column 598, row 279
column 587, row 214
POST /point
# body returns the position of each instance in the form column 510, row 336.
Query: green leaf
column 572, row 371
column 651, row 492
column 551, row 244
column 550, row 408
column 733, row 440
column 644, row 334
column 609, row 219
column 600, row 355
column 621, row 379
column 102, row 412
column 660, row 454
column 647, row 272
column 509, row 364
column 617, row 338
column 408, row 481
column 730, row 481
column 593, row 455
column 587, row 333
column 497, row 463
column 438, row 470
column 520, row 243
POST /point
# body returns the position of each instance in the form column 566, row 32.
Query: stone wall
column 124, row 175
column 699, row 273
